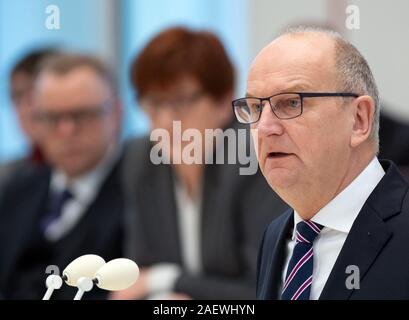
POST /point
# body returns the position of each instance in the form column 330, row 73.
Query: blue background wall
column 88, row 25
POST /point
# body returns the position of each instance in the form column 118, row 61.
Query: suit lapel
column 280, row 254
column 151, row 229
column 369, row 233
column 367, row 238
column 158, row 189
column 276, row 262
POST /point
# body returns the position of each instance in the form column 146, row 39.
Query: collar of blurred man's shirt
column 86, row 187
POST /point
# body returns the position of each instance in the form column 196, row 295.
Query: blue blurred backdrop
column 115, row 31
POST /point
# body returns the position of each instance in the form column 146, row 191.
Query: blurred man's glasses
column 177, row 103
column 286, row 105
column 80, row 117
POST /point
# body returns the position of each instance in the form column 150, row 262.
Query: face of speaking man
column 76, row 117
column 321, row 151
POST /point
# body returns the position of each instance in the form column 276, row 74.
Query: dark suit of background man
column 346, row 236
column 54, row 213
column 193, row 228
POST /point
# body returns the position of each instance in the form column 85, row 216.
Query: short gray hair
column 354, row 73
column 64, row 62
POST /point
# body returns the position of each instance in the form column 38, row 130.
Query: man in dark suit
column 51, row 214
column 21, row 85
column 193, row 227
column 314, row 102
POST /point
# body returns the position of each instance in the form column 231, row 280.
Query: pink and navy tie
column 298, row 280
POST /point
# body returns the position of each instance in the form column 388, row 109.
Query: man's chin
column 280, row 178
column 74, row 168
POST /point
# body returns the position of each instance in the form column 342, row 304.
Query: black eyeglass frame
column 88, row 114
column 302, row 96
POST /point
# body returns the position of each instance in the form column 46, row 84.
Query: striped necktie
column 298, row 280
column 57, row 204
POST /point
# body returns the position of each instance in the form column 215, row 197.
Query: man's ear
column 363, row 112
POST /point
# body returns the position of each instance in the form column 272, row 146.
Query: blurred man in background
column 73, row 204
column 194, row 229
column 21, row 86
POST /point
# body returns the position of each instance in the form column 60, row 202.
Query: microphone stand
column 84, row 285
column 53, row 282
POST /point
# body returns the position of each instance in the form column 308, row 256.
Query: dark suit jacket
column 235, row 210
column 394, row 141
column 26, row 196
column 378, row 243
column 8, row 169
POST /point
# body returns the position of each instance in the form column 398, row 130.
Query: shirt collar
column 85, row 187
column 340, row 213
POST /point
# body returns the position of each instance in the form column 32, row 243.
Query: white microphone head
column 117, row 274
column 53, row 281
column 84, row 266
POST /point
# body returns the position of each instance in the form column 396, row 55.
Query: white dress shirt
column 84, row 190
column 337, row 218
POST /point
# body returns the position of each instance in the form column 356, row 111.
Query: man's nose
column 66, row 125
column 269, row 123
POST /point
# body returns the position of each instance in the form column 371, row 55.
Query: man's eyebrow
column 295, row 88
column 298, row 88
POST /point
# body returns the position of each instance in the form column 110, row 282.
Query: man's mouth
column 277, row 155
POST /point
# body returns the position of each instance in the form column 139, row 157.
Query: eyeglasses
column 287, row 105
column 81, row 117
